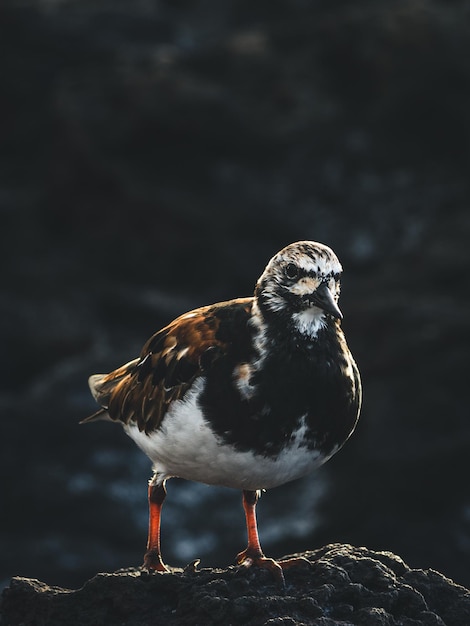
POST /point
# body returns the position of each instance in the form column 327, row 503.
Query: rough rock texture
column 343, row 585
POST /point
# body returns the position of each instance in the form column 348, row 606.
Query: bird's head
column 301, row 286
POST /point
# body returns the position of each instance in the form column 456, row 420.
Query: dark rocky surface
column 341, row 586
column 154, row 154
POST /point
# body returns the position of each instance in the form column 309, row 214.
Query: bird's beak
column 323, row 299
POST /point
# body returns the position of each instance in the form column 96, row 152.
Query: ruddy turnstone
column 249, row 393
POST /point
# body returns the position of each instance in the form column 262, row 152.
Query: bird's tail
column 102, row 387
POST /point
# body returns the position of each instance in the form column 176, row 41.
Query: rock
column 342, row 585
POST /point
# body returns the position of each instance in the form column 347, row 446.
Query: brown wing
column 141, row 391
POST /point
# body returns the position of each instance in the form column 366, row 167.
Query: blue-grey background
column 153, row 156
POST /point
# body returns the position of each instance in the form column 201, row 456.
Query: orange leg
column 153, row 556
column 253, row 555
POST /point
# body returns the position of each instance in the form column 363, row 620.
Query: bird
column 249, row 393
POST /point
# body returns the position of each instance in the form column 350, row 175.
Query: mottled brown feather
column 142, row 391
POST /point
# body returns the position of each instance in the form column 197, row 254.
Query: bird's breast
column 186, row 446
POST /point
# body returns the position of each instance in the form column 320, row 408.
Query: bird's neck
column 296, row 330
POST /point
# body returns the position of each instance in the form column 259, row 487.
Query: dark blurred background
column 153, row 156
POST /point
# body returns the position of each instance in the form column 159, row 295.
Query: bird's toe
column 153, row 561
column 249, row 559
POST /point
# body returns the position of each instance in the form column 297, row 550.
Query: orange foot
column 250, row 558
column 153, row 560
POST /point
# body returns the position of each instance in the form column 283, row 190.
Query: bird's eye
column 291, row 271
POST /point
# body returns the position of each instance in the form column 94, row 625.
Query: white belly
column 186, row 447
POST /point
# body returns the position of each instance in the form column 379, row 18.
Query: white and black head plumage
column 301, row 287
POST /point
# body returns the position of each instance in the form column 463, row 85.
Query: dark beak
column 323, row 299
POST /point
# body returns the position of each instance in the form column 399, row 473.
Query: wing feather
column 141, row 391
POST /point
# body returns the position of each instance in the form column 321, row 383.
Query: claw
column 192, row 567
column 293, row 562
column 245, row 559
column 248, row 558
column 153, row 561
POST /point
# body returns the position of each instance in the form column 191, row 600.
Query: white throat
column 309, row 321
